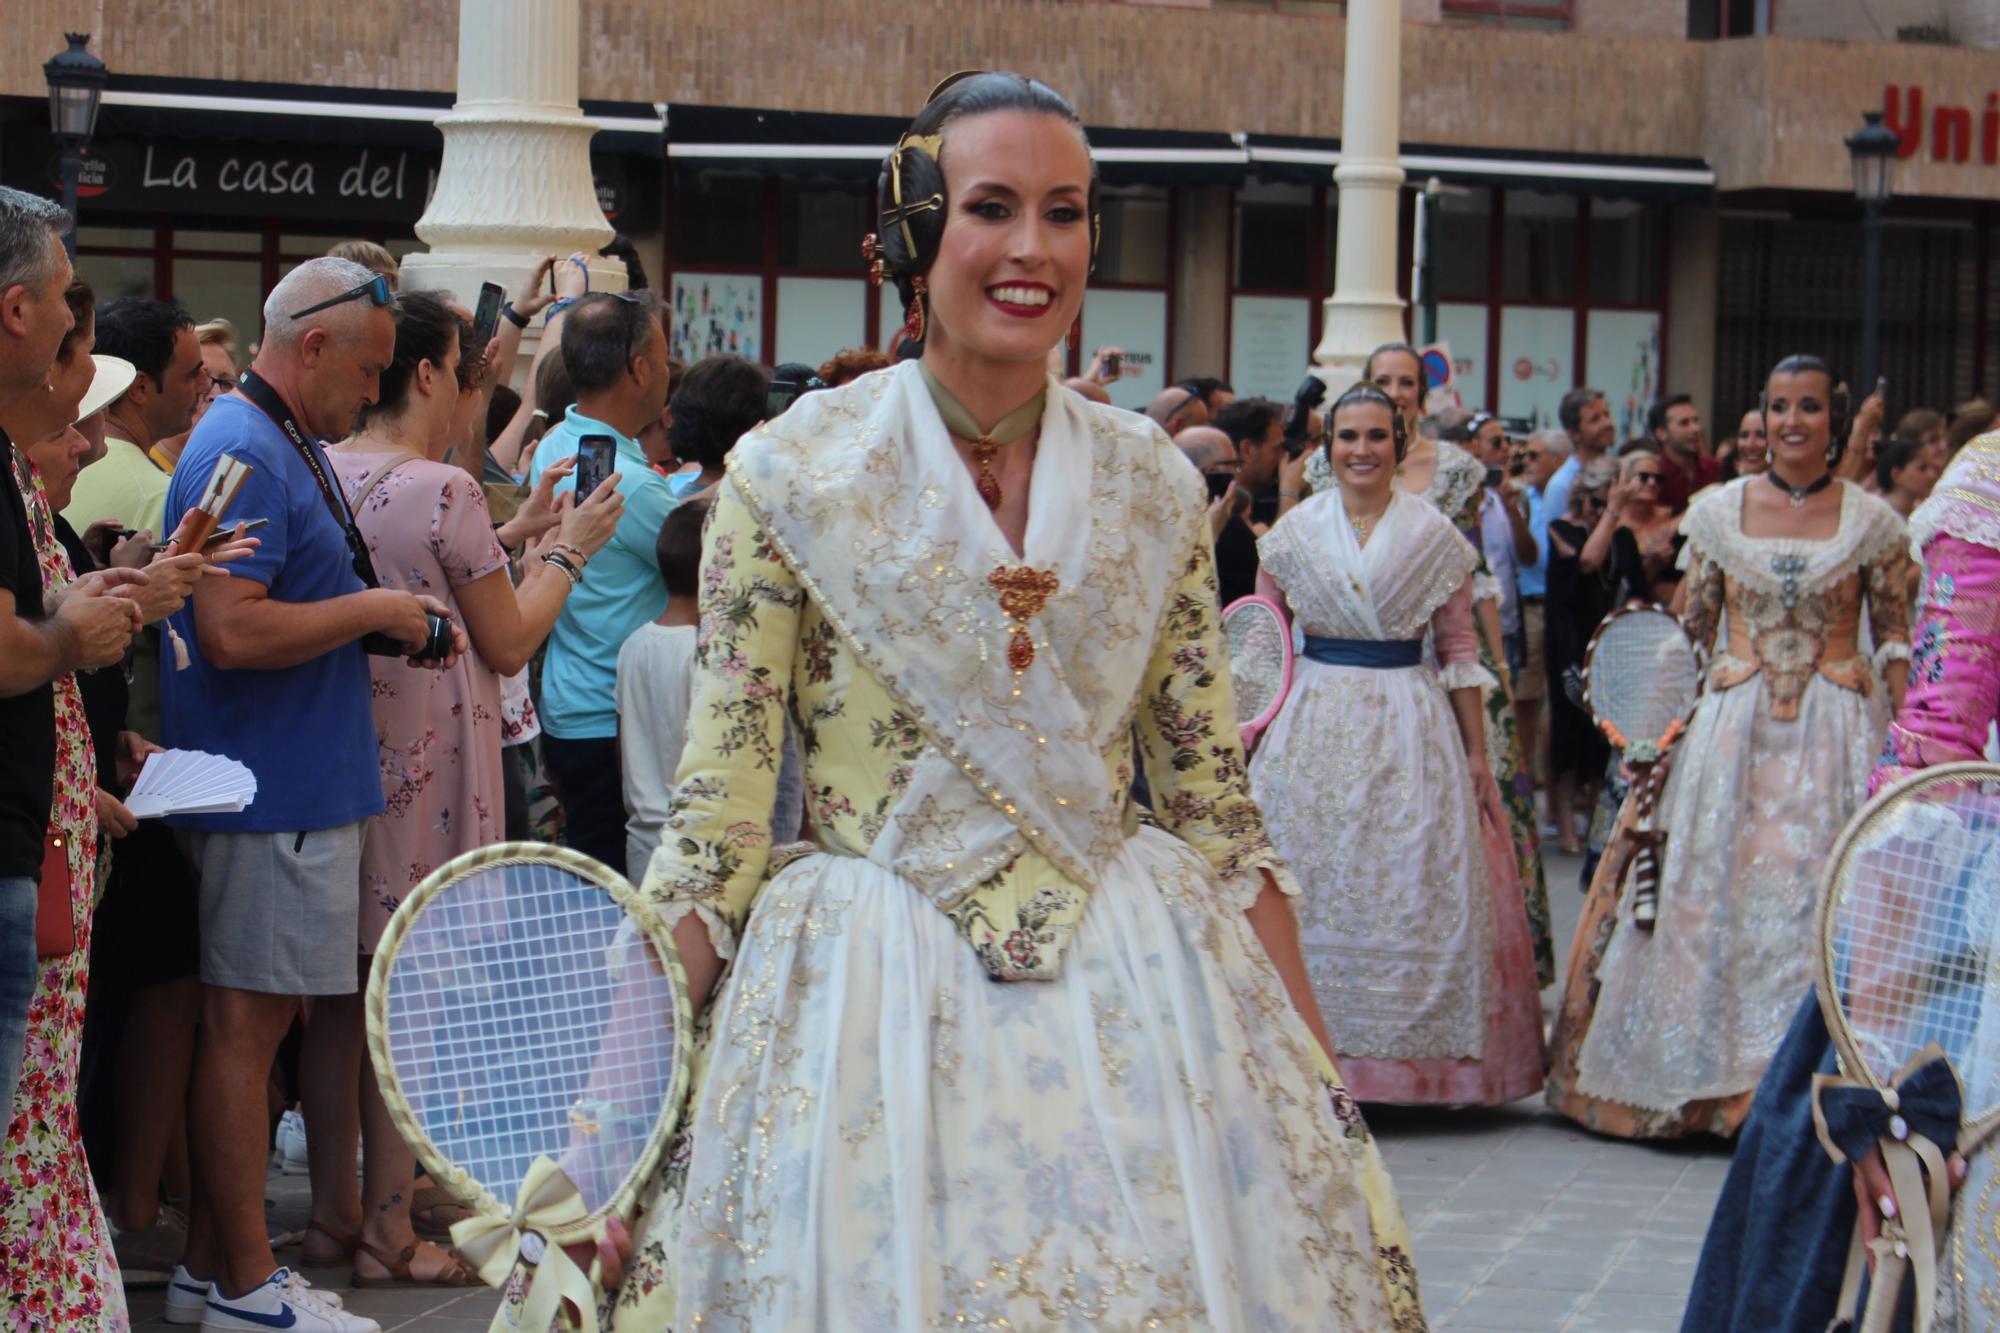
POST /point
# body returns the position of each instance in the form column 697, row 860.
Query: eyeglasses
column 376, row 289
column 1649, row 478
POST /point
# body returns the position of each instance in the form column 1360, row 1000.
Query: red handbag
column 55, row 916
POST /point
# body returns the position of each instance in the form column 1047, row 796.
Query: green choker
column 985, row 443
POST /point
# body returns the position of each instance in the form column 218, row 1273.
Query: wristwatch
column 513, row 316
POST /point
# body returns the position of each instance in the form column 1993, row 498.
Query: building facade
column 1644, row 195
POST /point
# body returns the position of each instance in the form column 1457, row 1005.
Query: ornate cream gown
column 989, row 1053
column 1411, row 922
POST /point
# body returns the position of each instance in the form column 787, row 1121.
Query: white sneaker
column 283, row 1301
column 187, row 1297
column 291, row 1145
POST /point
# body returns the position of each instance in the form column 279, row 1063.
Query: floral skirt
column 885, row 1138
column 57, row 1270
column 1517, row 791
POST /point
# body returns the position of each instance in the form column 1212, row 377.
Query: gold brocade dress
column 1667, row 1033
column 978, row 1061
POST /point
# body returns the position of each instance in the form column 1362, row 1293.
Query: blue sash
column 1379, row 654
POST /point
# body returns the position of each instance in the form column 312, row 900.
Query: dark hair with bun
column 1367, row 391
column 909, row 195
column 426, row 329
column 1801, row 363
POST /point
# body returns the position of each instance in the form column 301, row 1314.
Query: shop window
column 1134, row 245
column 235, row 242
column 1537, row 361
column 1710, row 19
column 719, row 221
column 230, row 288
column 1624, row 252
column 1520, row 15
column 1274, row 236
column 1462, row 262
column 1538, row 247
column 113, row 276
column 820, row 226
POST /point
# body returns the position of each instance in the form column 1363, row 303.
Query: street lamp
column 76, row 85
column 1873, row 148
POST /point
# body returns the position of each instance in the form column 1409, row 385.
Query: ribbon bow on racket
column 1909, row 1122
column 548, row 1200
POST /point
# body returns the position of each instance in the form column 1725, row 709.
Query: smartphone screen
column 486, row 317
column 778, row 397
column 228, row 533
column 596, row 459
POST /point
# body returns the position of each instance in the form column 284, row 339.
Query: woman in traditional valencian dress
column 1453, row 481
column 1666, row 1032
column 1778, row 1243
column 993, row 1053
column 1379, row 793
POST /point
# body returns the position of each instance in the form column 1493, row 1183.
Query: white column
column 1364, row 311
column 515, row 183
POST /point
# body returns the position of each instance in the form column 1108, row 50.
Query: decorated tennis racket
column 1641, row 676
column 1907, row 928
column 528, row 1019
column 1260, row 663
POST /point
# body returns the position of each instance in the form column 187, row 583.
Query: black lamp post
column 1873, row 148
column 76, row 85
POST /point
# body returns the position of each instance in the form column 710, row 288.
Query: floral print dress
column 57, row 1269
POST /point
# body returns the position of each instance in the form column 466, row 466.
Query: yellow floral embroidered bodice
column 769, row 642
column 1793, row 607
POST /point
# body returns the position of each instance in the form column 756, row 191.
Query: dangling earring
column 1076, row 332
column 913, row 318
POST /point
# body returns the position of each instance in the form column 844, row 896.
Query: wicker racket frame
column 376, row 1003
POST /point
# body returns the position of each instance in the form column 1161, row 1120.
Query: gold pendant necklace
column 985, row 443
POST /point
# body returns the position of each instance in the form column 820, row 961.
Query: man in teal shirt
column 614, row 346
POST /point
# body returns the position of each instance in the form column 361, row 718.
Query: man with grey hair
column 1544, row 454
column 41, row 639
column 278, row 678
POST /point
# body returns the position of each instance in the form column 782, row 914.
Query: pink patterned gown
column 57, row 1269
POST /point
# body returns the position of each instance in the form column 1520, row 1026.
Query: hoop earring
column 913, row 318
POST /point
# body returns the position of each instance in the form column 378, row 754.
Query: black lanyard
column 267, row 401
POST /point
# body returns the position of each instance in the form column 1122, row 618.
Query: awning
column 843, row 147
column 147, row 107
column 1311, row 162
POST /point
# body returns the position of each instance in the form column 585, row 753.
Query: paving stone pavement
column 1520, row 1220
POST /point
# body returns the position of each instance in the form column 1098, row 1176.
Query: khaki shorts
column 1531, row 682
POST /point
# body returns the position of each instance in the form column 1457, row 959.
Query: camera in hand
column 1298, row 417
column 437, row 642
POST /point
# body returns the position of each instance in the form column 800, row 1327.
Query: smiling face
column 1015, row 254
column 1364, row 450
column 1398, row 375
column 1753, row 447
column 1798, row 418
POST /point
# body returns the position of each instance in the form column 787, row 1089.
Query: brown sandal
column 454, row 1274
column 347, row 1241
column 425, row 1204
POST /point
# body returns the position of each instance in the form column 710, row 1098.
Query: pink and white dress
column 1411, row 921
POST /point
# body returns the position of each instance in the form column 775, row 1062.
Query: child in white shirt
column 655, row 684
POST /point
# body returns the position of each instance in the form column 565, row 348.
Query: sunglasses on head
column 376, row 289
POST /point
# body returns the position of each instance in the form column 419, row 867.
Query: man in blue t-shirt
column 277, row 678
column 614, row 346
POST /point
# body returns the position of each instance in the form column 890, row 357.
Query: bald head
column 1206, row 447
column 328, row 364
column 307, row 285
column 1089, row 388
column 1177, row 409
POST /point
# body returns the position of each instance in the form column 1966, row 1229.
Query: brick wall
column 1764, row 112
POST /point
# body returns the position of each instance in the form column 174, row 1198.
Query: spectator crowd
column 421, row 638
